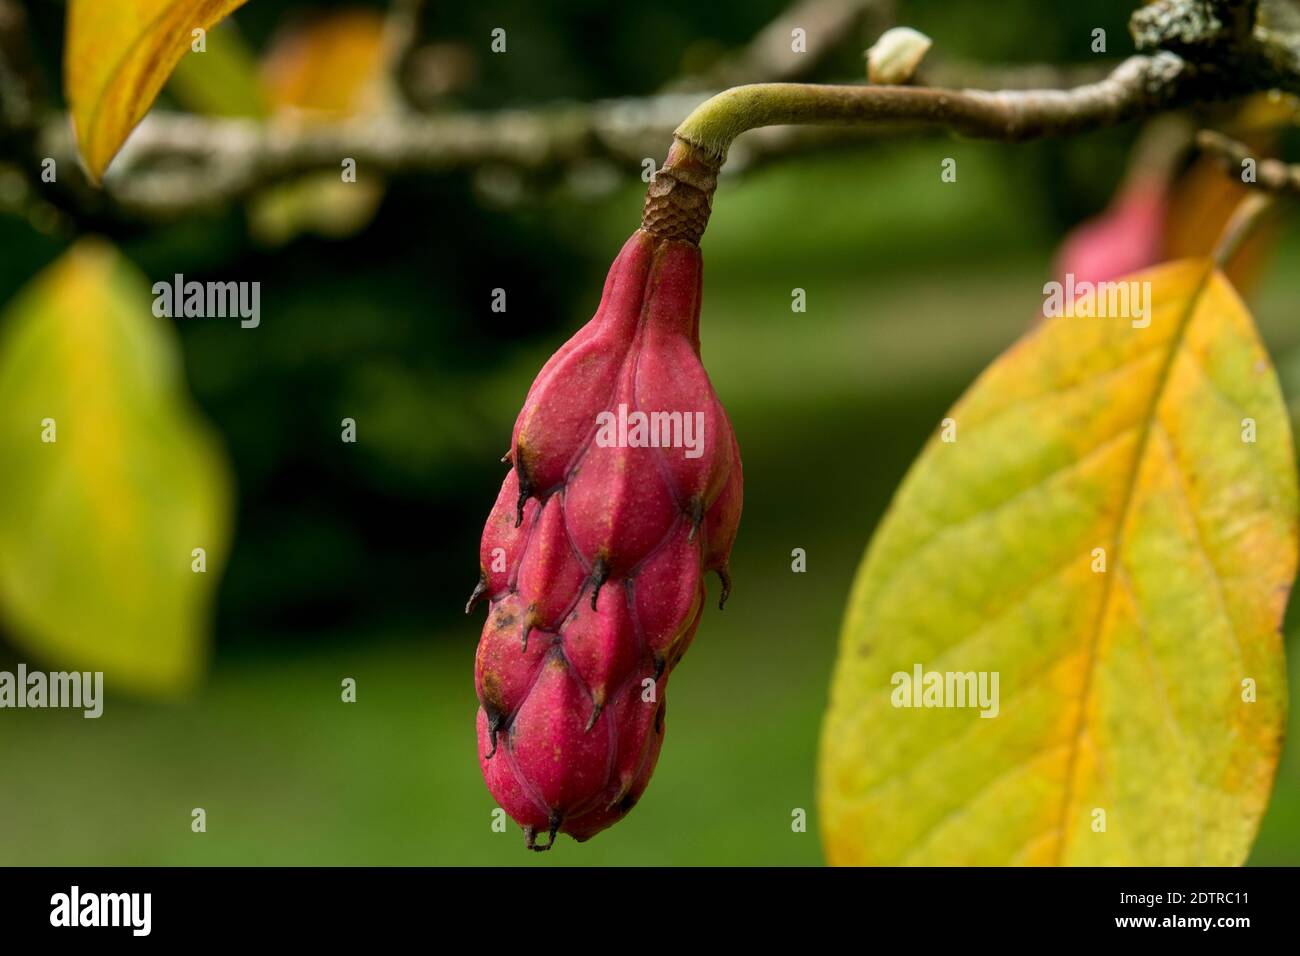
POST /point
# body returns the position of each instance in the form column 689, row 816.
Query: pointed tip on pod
column 599, row 575
column 494, row 728
column 596, row 708
column 552, row 828
column 479, row 590
column 695, row 512
column 525, row 491
column 724, row 576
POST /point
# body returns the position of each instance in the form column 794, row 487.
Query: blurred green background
column 355, row 560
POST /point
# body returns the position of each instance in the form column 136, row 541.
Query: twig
column 1139, row 85
column 1270, row 175
column 173, row 164
column 769, row 57
column 1202, row 51
column 176, row 164
column 1250, row 212
column 940, row 70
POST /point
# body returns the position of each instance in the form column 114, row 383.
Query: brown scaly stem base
column 680, row 197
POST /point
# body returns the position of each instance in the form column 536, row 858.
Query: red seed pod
column 625, row 489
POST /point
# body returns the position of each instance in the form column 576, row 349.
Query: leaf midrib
column 1116, row 552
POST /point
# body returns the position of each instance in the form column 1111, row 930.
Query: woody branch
column 1191, row 52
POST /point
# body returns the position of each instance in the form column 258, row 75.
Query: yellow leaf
column 117, row 57
column 110, row 481
column 332, row 68
column 1122, row 733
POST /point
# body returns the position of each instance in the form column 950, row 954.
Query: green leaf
column 98, row 526
column 224, row 81
column 1122, row 693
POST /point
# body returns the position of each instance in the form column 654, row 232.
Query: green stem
column 1010, row 115
column 680, row 198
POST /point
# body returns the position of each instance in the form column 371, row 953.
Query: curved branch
column 1271, row 175
column 679, row 200
column 173, row 165
column 1139, row 85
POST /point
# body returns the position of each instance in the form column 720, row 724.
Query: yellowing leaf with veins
column 1122, row 732
column 117, row 56
column 98, row 526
